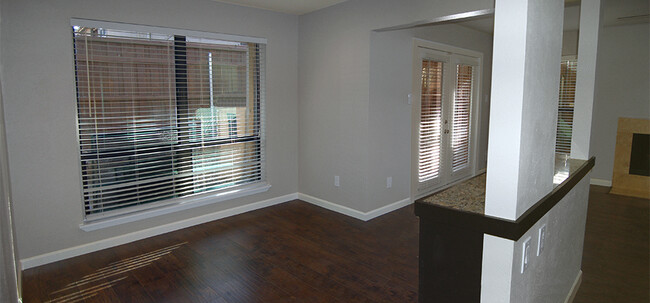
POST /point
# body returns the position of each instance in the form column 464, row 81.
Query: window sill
column 187, row 203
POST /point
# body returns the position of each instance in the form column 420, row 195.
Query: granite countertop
column 469, row 195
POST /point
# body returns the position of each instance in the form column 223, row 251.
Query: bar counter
column 453, row 223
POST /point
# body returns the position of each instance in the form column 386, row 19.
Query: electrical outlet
column 541, row 239
column 336, row 181
column 525, row 255
column 389, row 182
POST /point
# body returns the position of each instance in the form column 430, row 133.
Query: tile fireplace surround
column 625, row 181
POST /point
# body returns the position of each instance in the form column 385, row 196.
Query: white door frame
column 418, row 45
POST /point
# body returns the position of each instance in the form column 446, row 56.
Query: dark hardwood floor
column 293, row 252
column 297, row 252
column 615, row 262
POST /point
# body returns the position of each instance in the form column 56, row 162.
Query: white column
column 525, row 80
column 590, row 13
column 508, row 69
column 497, row 270
column 523, row 113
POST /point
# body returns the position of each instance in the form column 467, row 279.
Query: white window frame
column 181, row 203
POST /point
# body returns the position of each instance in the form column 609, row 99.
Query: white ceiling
column 486, row 24
column 295, row 7
column 615, row 12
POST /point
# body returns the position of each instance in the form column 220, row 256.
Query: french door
column 445, row 89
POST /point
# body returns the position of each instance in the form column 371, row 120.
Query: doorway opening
column 446, row 85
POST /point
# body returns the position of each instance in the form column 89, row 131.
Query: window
column 568, row 71
column 163, row 115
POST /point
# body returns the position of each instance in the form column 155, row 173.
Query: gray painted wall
column 7, row 272
column 570, row 43
column 550, row 276
column 40, row 101
column 622, row 81
column 4, row 241
column 539, row 119
column 4, row 287
column 10, row 273
column 391, row 70
column 337, row 115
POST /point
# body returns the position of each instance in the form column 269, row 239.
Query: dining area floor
column 298, row 252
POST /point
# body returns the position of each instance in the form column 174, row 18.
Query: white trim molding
column 159, row 230
column 181, row 204
column 601, row 182
column 364, row 216
column 150, row 232
column 574, row 288
column 163, row 30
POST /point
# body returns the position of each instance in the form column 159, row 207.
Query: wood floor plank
column 131, row 291
column 349, row 271
column 298, row 252
column 616, row 259
column 323, row 231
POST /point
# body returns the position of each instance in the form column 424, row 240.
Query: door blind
column 461, row 117
column 165, row 116
column 568, row 72
column 430, row 120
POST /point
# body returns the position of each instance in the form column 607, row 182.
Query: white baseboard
column 387, row 208
column 150, row 232
column 159, row 230
column 364, row 216
column 574, row 288
column 601, row 182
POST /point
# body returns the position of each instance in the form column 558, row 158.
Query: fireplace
column 631, row 175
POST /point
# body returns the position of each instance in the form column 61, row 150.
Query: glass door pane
column 460, row 141
column 430, row 121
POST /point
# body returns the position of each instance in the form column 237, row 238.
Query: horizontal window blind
column 430, row 120
column 568, row 72
column 461, row 117
column 165, row 116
